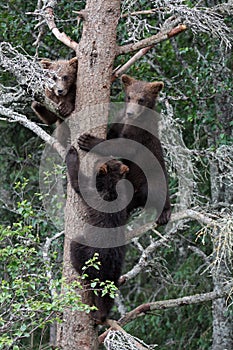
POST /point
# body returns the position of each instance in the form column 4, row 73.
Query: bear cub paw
column 86, row 142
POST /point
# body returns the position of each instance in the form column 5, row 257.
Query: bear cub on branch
column 111, row 259
column 135, row 124
column 63, row 91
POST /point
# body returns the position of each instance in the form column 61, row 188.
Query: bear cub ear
column 103, row 169
column 124, row 169
column 46, row 64
column 73, row 62
column 156, row 87
column 127, row 80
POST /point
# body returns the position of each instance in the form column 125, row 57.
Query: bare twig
column 22, row 119
column 131, row 61
column 47, row 260
column 199, row 253
column 143, row 262
column 136, row 13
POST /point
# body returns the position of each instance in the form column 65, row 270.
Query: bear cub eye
column 65, row 77
column 54, row 77
column 128, row 98
column 141, row 101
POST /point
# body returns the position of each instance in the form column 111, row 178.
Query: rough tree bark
column 96, row 52
column 222, row 318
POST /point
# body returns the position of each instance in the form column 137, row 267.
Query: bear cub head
column 107, row 176
column 139, row 94
column 63, row 73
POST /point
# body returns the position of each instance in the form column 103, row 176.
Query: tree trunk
column 222, row 319
column 96, row 54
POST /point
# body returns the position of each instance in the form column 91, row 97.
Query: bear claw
column 85, row 142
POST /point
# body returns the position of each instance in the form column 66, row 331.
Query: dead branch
column 30, row 76
column 28, row 73
column 164, row 34
column 198, row 19
column 143, row 309
column 22, row 119
column 136, row 13
column 188, row 214
column 131, row 61
column 147, row 44
column 180, row 158
column 194, row 215
column 61, row 36
column 114, row 327
column 143, row 262
column 199, row 253
column 46, row 15
column 81, row 14
column 167, row 304
column 47, row 260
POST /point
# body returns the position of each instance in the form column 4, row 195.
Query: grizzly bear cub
column 62, row 92
column 111, row 259
column 136, row 124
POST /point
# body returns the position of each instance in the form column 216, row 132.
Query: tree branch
column 22, row 119
column 46, row 14
column 147, row 44
column 136, row 13
column 131, row 61
column 167, row 31
column 194, row 215
column 30, row 75
column 65, row 39
column 47, row 260
column 143, row 262
column 49, row 104
column 199, row 253
column 166, row 304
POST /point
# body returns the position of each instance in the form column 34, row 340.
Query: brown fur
column 138, row 94
column 62, row 93
column 111, row 259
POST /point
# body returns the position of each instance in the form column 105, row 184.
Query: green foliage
column 93, row 262
column 17, row 25
column 99, row 287
column 175, row 329
column 31, row 297
column 178, row 274
column 198, row 84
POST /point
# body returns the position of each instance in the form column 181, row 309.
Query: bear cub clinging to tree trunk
column 64, row 74
column 107, row 176
column 136, row 124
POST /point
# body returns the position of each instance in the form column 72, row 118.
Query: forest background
column 191, row 256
